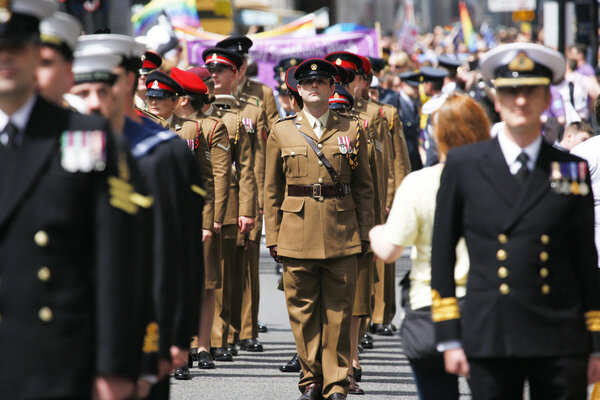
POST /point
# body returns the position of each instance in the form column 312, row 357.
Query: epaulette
column 250, row 99
column 286, row 117
column 155, row 118
column 150, row 142
column 349, row 114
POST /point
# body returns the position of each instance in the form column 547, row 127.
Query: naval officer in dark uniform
column 410, row 115
column 66, row 233
column 532, row 308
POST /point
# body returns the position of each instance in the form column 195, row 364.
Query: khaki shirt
column 316, row 228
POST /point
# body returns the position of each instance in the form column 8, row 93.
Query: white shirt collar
column 209, row 111
column 511, row 151
column 312, row 121
column 20, row 117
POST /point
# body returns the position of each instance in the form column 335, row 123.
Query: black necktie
column 523, row 172
column 10, row 130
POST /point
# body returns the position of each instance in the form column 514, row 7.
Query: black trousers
column 550, row 378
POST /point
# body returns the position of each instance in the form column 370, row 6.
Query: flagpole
column 594, row 34
column 561, row 26
column 378, row 30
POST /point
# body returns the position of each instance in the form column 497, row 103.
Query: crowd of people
column 133, row 193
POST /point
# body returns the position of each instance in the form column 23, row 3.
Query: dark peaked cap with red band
column 152, row 60
column 216, row 55
column 341, row 99
column 315, row 68
column 347, row 60
column 239, row 44
column 290, row 81
column 160, row 84
column 189, row 81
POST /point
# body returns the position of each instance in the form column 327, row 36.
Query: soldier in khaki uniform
column 246, row 291
column 377, row 126
column 241, row 206
column 260, row 93
column 208, row 139
column 318, row 211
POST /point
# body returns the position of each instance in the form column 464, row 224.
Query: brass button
column 501, row 255
column 44, row 274
column 545, row 289
column 320, row 145
column 504, row 289
column 544, row 272
column 545, row 239
column 321, row 198
column 45, row 314
column 502, row 272
column 320, row 162
column 502, row 239
column 41, row 238
column 544, row 256
column 320, row 180
column 293, row 153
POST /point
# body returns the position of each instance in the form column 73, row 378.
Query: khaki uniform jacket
column 242, row 193
column 267, row 99
column 399, row 153
column 316, row 228
column 255, row 121
column 208, row 139
column 376, row 128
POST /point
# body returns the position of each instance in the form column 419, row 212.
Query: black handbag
column 417, row 330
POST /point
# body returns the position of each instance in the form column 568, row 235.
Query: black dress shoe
column 337, row 396
column 357, row 372
column 251, row 345
column 278, row 269
column 312, row 392
column 366, row 335
column 220, row 354
column 366, row 343
column 292, row 366
column 385, row 330
column 205, row 361
column 262, row 328
column 182, row 373
column 232, row 349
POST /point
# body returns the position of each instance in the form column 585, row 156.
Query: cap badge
column 338, row 61
column 155, row 85
column 5, row 13
column 293, row 62
column 313, row 67
column 214, row 56
column 521, row 63
column 336, row 95
column 143, row 57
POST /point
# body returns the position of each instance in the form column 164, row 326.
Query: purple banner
column 268, row 52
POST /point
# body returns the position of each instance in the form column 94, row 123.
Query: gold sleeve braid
column 592, row 320
column 443, row 309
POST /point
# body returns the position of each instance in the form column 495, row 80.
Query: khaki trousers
column 251, row 294
column 218, row 337
column 320, row 296
column 384, row 307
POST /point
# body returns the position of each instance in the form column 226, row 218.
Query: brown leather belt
column 317, row 190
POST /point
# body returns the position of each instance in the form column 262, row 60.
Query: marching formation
column 134, row 196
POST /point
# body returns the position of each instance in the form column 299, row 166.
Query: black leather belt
column 317, row 190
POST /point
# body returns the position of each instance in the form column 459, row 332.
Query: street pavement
column 386, row 373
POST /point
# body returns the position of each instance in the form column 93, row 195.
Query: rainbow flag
column 180, row 12
column 467, row 27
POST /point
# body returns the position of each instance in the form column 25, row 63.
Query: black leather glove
column 365, row 247
column 273, row 252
